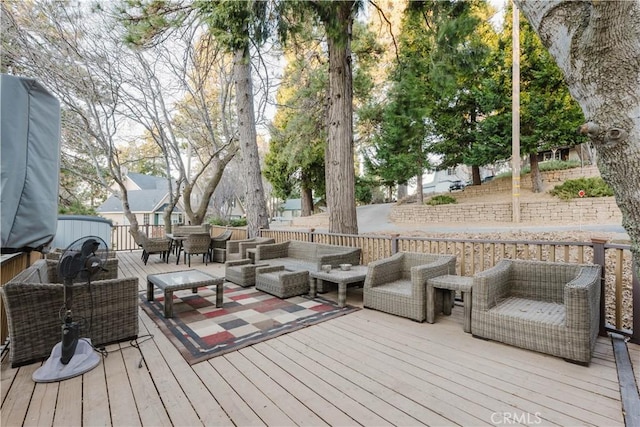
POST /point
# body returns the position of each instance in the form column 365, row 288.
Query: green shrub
column 442, row 199
column 551, row 165
column 239, row 222
column 592, row 187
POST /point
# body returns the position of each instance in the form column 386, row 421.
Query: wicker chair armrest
column 273, row 250
column 269, row 269
column 247, row 245
column 582, row 298
column 292, row 277
column 443, row 265
column 237, row 262
column 383, row 271
column 348, row 257
column 491, row 285
column 233, row 246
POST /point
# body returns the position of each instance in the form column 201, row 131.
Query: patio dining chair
column 196, row 244
column 218, row 246
column 158, row 245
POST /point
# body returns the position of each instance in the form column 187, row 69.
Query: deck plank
column 326, row 412
column 69, row 407
column 16, row 404
column 365, row 368
column 521, row 375
column 124, row 410
column 257, row 399
column 391, row 391
column 341, row 396
column 293, row 408
column 42, row 407
column 165, row 377
column 95, row 403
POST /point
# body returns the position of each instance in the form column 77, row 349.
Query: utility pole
column 515, row 116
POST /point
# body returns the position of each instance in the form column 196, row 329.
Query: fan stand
column 72, row 356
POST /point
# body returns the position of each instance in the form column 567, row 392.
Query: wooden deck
column 366, row 368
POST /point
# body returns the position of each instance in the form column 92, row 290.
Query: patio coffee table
column 356, row 274
column 179, row 280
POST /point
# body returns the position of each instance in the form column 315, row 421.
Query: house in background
column 148, row 196
column 292, row 208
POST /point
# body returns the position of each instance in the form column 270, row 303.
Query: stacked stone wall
column 591, row 210
column 549, row 180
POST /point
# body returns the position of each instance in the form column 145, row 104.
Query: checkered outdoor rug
column 201, row 331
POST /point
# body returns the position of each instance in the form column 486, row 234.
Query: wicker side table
column 451, row 283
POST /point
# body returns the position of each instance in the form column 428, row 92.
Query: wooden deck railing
column 620, row 302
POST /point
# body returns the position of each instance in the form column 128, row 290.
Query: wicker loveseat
column 549, row 307
column 33, row 301
column 295, row 255
column 397, row 284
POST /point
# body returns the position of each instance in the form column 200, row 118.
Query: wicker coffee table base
column 179, row 280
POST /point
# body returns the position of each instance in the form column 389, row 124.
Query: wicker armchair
column 549, row 307
column 237, row 249
column 218, row 246
column 275, row 280
column 241, row 272
column 397, row 284
column 196, row 244
column 158, row 245
column 108, row 311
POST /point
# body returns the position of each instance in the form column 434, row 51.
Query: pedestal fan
column 73, row 355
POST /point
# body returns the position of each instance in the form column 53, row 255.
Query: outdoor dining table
column 176, row 245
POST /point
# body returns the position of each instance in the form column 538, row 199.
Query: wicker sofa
column 33, row 301
column 397, row 285
column 549, row 307
column 295, row 255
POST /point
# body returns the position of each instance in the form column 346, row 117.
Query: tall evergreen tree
column 549, row 116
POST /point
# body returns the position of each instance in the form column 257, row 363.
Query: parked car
column 487, row 178
column 456, row 185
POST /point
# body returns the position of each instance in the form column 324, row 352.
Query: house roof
column 148, row 182
column 139, row 201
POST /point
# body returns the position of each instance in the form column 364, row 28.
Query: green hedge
column 592, row 187
column 442, row 199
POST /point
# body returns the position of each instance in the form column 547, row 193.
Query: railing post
column 311, row 230
column 599, row 258
column 635, row 294
column 394, row 244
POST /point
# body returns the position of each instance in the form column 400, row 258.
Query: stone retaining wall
column 549, row 180
column 591, row 210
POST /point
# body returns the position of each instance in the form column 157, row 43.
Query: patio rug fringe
column 201, row 331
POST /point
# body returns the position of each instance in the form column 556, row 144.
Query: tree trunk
column 419, row 193
column 197, row 216
column 256, row 205
column 475, row 175
column 536, row 176
column 306, row 202
column 402, row 191
column 339, row 160
column 597, row 46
